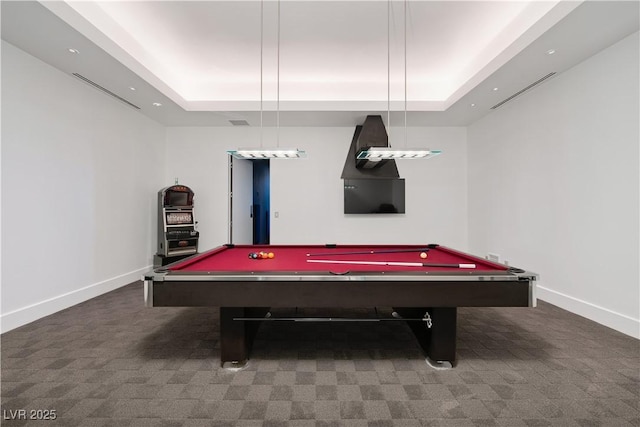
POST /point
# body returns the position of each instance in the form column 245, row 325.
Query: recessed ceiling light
column 132, row 88
column 72, row 50
column 551, row 51
column 473, row 105
column 157, row 104
column 495, row 89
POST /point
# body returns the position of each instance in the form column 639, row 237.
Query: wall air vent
column 239, row 122
column 520, row 92
column 105, row 90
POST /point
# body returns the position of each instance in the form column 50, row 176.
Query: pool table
column 422, row 284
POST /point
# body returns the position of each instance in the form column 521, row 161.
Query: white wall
column 308, row 193
column 554, row 186
column 80, row 172
column 197, row 157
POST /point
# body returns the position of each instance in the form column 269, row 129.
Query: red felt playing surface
column 292, row 258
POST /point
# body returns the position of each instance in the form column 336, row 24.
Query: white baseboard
column 620, row 322
column 30, row 313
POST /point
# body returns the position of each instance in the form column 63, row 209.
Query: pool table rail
column 341, row 291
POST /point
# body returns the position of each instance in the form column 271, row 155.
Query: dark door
column 261, row 202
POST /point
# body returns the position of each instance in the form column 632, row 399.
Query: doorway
column 249, row 201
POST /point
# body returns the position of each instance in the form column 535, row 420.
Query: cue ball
column 271, row 255
column 423, row 255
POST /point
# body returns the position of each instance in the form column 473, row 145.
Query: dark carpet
column 112, row 362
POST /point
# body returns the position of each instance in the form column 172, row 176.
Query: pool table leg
column 439, row 341
column 236, row 336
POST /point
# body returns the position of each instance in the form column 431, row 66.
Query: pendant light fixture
column 376, row 154
column 268, row 153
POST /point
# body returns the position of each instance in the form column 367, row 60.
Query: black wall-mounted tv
column 374, row 196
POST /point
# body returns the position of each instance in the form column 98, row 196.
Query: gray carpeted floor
column 112, row 362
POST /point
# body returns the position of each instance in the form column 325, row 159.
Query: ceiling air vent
column 105, row 90
column 520, row 92
column 239, row 122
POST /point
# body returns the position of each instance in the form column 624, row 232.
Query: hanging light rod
column 267, row 153
column 376, row 154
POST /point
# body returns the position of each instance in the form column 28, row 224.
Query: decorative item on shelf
column 268, row 153
column 377, row 154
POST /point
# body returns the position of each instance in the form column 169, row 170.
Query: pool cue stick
column 383, row 251
column 402, row 264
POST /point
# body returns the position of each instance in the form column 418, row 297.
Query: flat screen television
column 374, row 196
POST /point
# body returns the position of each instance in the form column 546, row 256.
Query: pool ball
column 271, row 255
column 251, row 254
column 423, row 255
